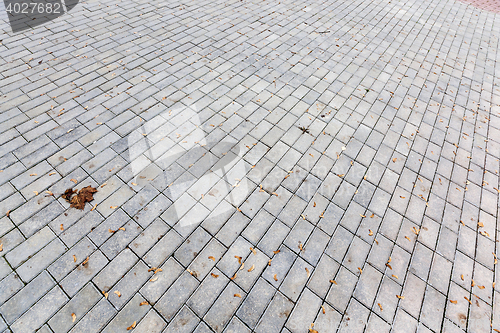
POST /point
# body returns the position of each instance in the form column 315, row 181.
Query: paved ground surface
column 283, row 162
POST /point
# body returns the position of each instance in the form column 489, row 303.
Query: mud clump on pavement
column 78, row 201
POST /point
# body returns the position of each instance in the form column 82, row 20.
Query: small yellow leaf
column 307, row 271
column 333, row 281
column 105, row 294
column 74, row 258
column 276, row 252
column 214, row 275
column 360, row 270
column 275, row 277
column 143, row 303
column 36, row 193
column 131, row 326
column 480, row 224
column 253, row 251
column 370, row 233
column 452, row 301
column 400, row 297
column 74, row 180
column 73, row 315
column 395, row 276
column 118, row 293
column 323, row 309
column 251, row 268
column 154, row 279
column 122, row 228
column 237, row 295
column 211, row 258
column 113, row 207
column 380, row 306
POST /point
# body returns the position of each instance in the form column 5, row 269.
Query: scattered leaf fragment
column 85, row 261
column 74, row 180
column 105, row 294
column 253, row 250
column 118, row 293
column 143, row 303
column 400, row 297
column 307, row 271
column 360, row 270
column 275, row 277
column 237, row 295
column 277, row 251
column 251, row 268
column 453, row 301
column 214, row 275
column 73, row 315
column 380, row 306
column 154, row 279
column 74, row 258
column 323, row 309
column 333, row 281
column 131, row 326
column 370, row 233
column 211, row 258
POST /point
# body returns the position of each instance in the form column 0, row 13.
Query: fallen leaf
column 113, row 207
column 480, row 224
column 85, row 261
column 234, row 276
column 253, row 250
column 118, row 293
column 105, row 294
column 462, row 277
column 214, row 275
column 36, row 193
column 300, row 247
column 333, row 281
column 323, row 308
column 370, row 233
column 408, row 238
column 237, row 295
column 251, row 268
column 362, row 215
column 372, row 215
column 394, row 160
column 380, row 306
column 239, row 259
column 152, row 269
column 275, row 277
column 360, row 270
column 276, row 252
column 8, row 213
column 74, row 258
column 158, row 270
column 481, row 287
column 307, row 271
column 131, row 326
column 468, row 300
column 452, row 301
column 143, row 303
column 73, row 315
column 473, row 283
column 400, row 297
column 154, row 279
column 269, row 262
column 61, row 227
column 111, row 231
column 33, row 174
column 74, row 180
column 211, row 258
column 395, row 276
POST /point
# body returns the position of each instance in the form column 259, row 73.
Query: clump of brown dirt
column 78, row 201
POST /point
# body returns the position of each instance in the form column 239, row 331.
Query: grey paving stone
column 304, row 312
column 276, row 314
column 132, row 312
column 178, row 293
column 152, row 322
column 222, row 310
column 96, row 318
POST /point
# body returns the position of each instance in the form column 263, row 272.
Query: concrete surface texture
column 261, row 166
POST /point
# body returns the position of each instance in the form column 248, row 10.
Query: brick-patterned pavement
column 283, row 162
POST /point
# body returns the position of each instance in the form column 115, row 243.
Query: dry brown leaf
column 211, row 258
column 468, row 300
column 373, row 215
column 105, row 294
column 481, row 287
column 323, row 309
column 1, row 247
column 74, row 180
column 152, row 269
column 237, row 295
column 131, row 326
column 307, row 271
column 394, row 160
column 370, row 233
column 74, row 258
column 276, row 252
column 214, row 275
column 253, row 250
column 118, row 293
column 480, row 224
column 400, row 297
column 159, row 270
column 242, row 266
column 239, row 259
column 452, row 301
column 143, row 303
column 154, row 279
column 85, row 261
column 122, row 228
column 360, row 270
column 73, row 315
column 8, row 213
column 462, row 277
column 61, row 227
column 473, row 283
column 234, row 276
column 275, row 277
column 113, row 207
column 362, row 215
column 111, row 231
column 300, row 247
column 269, row 262
column 333, row 281
column 251, row 268
column 380, row 306
column 36, row 193
column 93, row 207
